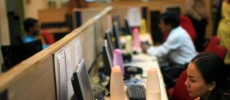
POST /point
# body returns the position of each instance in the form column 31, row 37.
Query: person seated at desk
column 178, row 47
column 207, row 78
column 32, row 28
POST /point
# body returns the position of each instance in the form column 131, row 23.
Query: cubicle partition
column 81, row 15
column 40, row 76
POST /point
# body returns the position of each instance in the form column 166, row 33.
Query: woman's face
column 195, row 83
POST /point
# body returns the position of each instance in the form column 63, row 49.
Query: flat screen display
column 81, row 84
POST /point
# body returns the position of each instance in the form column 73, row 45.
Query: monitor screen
column 116, row 32
column 108, row 37
column 107, row 59
column 81, row 84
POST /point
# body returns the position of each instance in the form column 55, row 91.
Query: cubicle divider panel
column 98, row 29
column 89, row 13
column 37, row 83
column 83, row 46
column 38, row 77
column 81, row 15
column 30, row 83
column 107, row 22
column 89, row 46
column 86, row 46
column 121, row 12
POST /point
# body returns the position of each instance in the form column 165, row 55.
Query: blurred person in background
column 197, row 12
column 33, row 32
column 223, row 31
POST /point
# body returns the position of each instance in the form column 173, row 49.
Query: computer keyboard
column 136, row 92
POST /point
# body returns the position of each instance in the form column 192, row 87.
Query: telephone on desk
column 132, row 71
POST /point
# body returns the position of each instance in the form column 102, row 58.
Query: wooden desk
column 57, row 30
column 146, row 62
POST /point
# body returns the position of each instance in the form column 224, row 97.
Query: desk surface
column 147, row 62
column 57, row 30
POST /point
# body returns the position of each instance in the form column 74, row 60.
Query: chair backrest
column 213, row 42
column 14, row 54
column 186, row 23
column 219, row 51
column 49, row 39
column 180, row 92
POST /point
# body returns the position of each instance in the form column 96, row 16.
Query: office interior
column 39, row 76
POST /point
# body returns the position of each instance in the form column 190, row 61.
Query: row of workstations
column 47, row 74
column 43, row 76
column 120, row 8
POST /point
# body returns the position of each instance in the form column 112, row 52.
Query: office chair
column 49, row 39
column 219, row 51
column 179, row 92
column 14, row 54
column 186, row 23
column 213, row 41
column 171, row 75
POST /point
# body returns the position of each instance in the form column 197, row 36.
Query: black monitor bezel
column 77, row 81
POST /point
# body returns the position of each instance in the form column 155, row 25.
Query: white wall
column 4, row 29
column 31, row 7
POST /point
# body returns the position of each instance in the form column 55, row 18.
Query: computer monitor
column 127, row 28
column 81, row 84
column 116, row 33
column 107, row 59
column 14, row 54
column 110, row 44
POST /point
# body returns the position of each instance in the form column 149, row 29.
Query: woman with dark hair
column 207, row 78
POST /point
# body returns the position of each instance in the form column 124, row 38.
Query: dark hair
column 212, row 68
column 172, row 18
column 29, row 22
